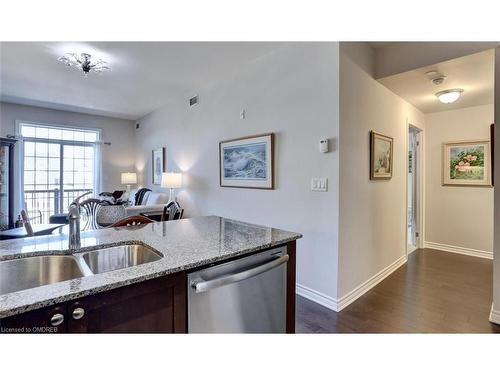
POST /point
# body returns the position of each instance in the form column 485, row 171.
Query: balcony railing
column 41, row 204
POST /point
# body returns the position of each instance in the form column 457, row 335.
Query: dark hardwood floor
column 435, row 291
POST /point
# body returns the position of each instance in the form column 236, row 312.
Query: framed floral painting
column 467, row 163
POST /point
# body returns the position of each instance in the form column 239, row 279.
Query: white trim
column 357, row 292
column 458, row 250
column 317, row 297
column 339, row 304
column 494, row 315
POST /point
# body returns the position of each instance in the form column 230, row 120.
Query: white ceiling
column 473, row 73
column 144, row 76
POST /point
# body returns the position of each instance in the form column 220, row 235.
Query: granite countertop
column 185, row 244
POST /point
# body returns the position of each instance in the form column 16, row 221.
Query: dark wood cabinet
column 50, row 319
column 153, row 306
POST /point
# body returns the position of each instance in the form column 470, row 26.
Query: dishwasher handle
column 200, row 285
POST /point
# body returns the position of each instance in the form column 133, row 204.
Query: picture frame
column 381, row 156
column 247, row 162
column 467, row 163
column 158, row 164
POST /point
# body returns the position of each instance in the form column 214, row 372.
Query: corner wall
column 456, row 217
column 293, row 92
column 372, row 227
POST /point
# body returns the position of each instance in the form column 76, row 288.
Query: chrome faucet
column 74, row 226
column 74, row 222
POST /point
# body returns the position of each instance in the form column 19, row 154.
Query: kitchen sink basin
column 115, row 258
column 26, row 273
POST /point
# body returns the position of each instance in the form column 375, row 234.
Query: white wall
column 456, row 215
column 117, row 158
column 293, row 92
column 372, row 213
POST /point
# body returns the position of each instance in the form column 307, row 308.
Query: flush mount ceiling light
column 84, row 62
column 449, row 96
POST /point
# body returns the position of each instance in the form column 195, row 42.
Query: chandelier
column 84, row 62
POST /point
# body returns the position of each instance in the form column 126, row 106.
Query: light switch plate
column 319, row 184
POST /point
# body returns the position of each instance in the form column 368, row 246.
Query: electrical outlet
column 319, row 184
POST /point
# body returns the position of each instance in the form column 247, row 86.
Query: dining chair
column 27, row 224
column 88, row 210
column 132, row 221
column 172, row 211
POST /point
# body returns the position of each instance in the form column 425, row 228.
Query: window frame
column 61, row 143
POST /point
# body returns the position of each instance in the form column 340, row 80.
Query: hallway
column 435, row 291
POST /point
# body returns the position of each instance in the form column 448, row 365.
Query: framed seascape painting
column 467, row 163
column 381, row 155
column 158, row 164
column 247, row 162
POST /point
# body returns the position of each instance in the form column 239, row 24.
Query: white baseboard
column 317, row 297
column 357, row 292
column 458, row 250
column 494, row 315
column 339, row 304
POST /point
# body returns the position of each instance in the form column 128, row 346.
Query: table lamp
column 128, row 179
column 171, row 181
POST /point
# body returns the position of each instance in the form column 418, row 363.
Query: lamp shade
column 129, row 178
column 171, row 180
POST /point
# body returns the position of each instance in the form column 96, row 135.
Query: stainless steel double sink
column 31, row 272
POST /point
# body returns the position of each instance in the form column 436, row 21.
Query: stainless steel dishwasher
column 247, row 295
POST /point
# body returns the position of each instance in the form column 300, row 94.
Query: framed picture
column 247, row 162
column 381, row 155
column 467, row 163
column 158, row 164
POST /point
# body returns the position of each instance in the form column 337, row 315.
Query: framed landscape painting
column 467, row 163
column 158, row 164
column 381, row 155
column 247, row 162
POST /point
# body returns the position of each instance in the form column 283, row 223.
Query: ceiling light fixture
column 449, row 96
column 84, row 62
column 435, row 77
column 438, row 80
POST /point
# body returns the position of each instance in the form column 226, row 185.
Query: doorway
column 414, row 190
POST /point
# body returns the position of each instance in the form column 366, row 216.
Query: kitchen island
column 150, row 297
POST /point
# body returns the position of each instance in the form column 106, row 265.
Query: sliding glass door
column 59, row 165
column 42, row 162
column 78, row 173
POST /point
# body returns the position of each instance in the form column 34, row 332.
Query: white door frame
column 420, row 185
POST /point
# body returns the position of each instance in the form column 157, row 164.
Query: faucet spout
column 74, row 226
